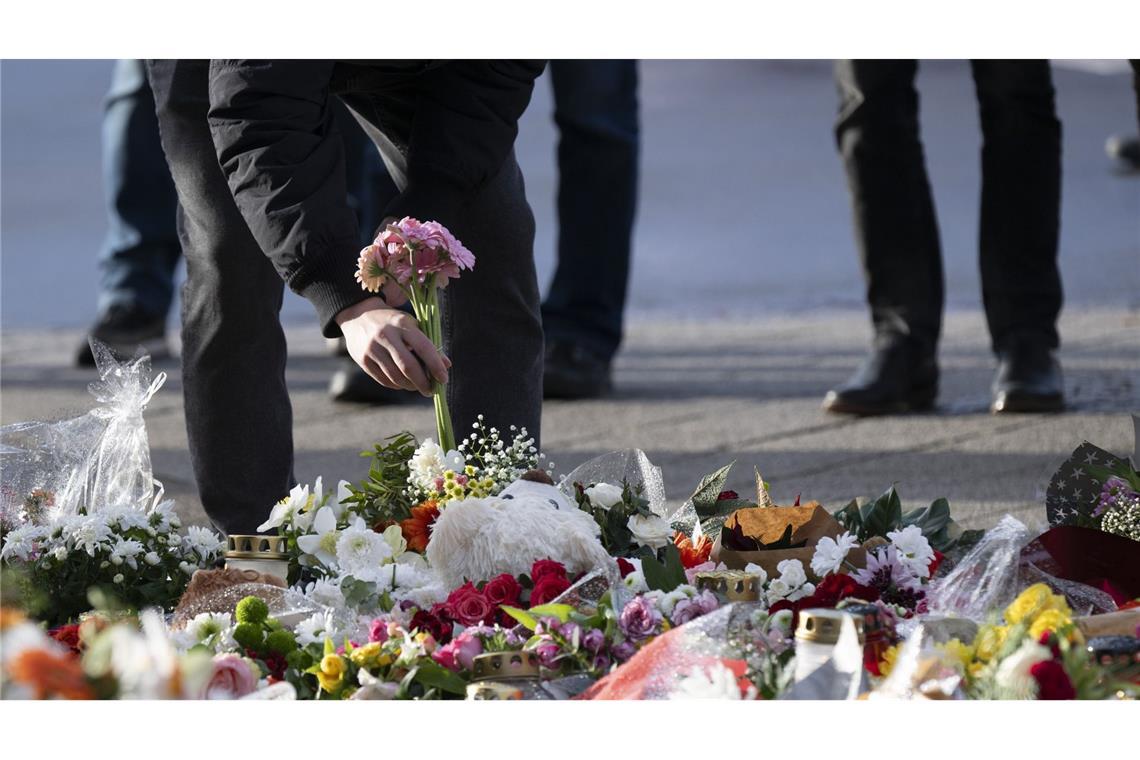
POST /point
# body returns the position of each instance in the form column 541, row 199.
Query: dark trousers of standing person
column 895, row 224
column 596, row 111
column 238, row 412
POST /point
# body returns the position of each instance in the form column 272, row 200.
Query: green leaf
column 882, row 515
column 560, row 611
column 663, row 576
column 851, row 520
column 436, row 676
column 710, row 487
column 528, row 620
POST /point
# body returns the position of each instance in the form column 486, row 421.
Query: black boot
column 899, row 375
column 573, row 372
column 1028, row 379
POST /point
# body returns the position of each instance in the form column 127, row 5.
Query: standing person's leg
column 141, row 250
column 1020, row 225
column 238, row 416
column 595, row 108
column 491, row 318
column 897, row 235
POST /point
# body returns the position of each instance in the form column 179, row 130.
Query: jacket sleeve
column 277, row 145
column 464, row 128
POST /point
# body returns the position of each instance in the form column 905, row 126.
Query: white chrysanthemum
column 360, row 552
column 651, row 531
column 830, row 553
column 715, row 681
column 604, row 495
column 424, row 597
column 91, row 534
column 315, row 629
column 205, row 542
column 326, row 592
column 913, row 549
column 211, row 629
column 321, row 543
column 635, row 582
column 1013, row 672
column 126, row 517
column 126, row 550
column 163, row 517
column 800, row 592
column 21, row 542
column 430, row 462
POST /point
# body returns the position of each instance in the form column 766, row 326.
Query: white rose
column 652, row 531
column 604, row 495
column 151, row 558
column 635, row 582
column 792, row 572
column 778, row 589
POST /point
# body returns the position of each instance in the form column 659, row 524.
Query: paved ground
column 717, row 366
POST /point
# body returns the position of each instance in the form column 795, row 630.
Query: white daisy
column 913, row 549
column 830, row 553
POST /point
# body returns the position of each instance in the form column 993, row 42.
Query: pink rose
column 232, row 678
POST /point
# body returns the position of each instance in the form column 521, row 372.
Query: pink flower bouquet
column 421, row 258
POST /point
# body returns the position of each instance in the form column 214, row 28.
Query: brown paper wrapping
column 810, row 522
column 1121, row 623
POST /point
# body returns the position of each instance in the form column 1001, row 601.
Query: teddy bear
column 477, row 539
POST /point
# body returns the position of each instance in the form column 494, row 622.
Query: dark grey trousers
column 238, row 414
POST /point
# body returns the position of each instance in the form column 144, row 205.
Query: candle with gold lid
column 262, row 554
column 729, row 585
column 505, row 675
column 816, row 636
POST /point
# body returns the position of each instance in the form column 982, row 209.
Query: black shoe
column 351, row 383
column 1028, row 379
column 574, row 372
column 898, row 376
column 125, row 331
column 1126, row 150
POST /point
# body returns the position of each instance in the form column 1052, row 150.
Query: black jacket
column 274, row 132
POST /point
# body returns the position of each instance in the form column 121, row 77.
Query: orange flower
column 417, row 528
column 691, row 555
column 10, row 616
column 50, row 675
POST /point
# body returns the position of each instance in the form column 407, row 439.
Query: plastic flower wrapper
column 986, row 578
column 921, row 670
column 629, row 466
column 691, row 660
column 99, row 459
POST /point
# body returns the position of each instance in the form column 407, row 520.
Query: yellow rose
column 1032, row 602
column 989, row 641
column 366, row 655
column 959, row 653
column 1052, row 620
column 887, row 663
column 331, row 674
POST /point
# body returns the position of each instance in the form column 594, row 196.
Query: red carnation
column 836, row 587
column 1052, row 681
column 625, row 566
column 726, row 495
column 545, row 567
column 547, row 588
column 934, row 563
column 502, row 589
column 68, row 635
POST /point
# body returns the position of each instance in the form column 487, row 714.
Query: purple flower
column 571, row 632
column 594, row 640
column 640, row 619
column 684, row 611
column 707, row 601
column 546, row 625
column 600, row 663
column 623, row 651
column 548, row 653
column 513, row 639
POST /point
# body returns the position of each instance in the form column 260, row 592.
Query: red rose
column 726, row 495
column 625, row 566
column 545, row 567
column 502, row 589
column 473, row 609
column 1052, row 681
column 836, row 587
column 460, row 593
column 437, row 622
column 548, row 588
column 68, row 635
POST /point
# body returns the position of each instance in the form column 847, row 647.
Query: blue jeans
column 595, row 108
column 141, row 251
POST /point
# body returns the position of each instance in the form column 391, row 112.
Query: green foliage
column 251, row 609
column 281, row 642
column 614, row 522
column 884, row 514
column 383, row 495
column 665, row 574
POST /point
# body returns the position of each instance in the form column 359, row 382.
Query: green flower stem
column 425, row 305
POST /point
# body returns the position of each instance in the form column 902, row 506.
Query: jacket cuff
column 331, row 285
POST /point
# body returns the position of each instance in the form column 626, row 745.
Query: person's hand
column 388, row 345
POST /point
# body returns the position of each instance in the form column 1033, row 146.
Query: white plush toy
column 477, row 539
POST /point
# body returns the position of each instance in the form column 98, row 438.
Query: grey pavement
column 724, row 361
